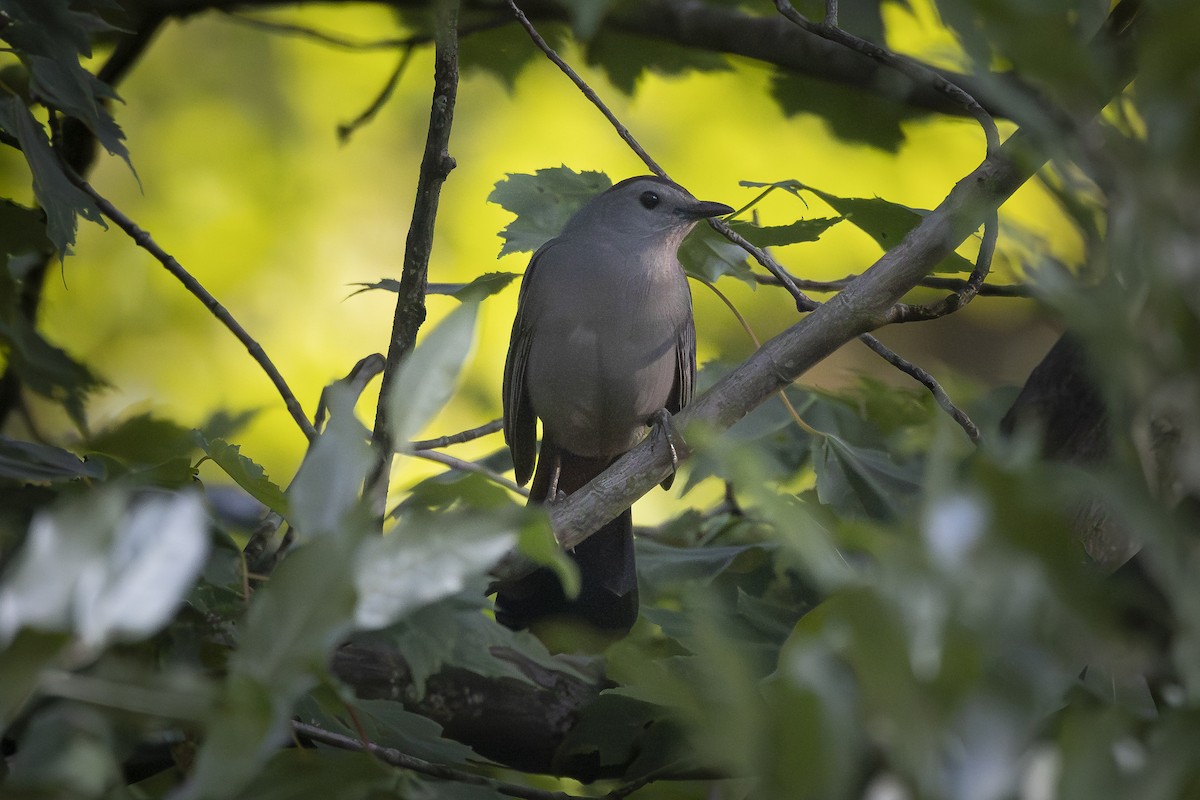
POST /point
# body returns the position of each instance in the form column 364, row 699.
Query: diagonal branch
column 143, row 240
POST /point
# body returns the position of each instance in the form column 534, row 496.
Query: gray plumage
column 603, row 339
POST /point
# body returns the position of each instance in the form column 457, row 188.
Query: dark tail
column 608, row 597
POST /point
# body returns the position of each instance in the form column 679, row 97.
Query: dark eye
column 649, row 199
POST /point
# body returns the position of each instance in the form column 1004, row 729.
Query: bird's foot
column 661, row 422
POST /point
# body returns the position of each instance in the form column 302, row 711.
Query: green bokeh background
column 232, row 130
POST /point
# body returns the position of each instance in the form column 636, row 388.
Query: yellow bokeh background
column 232, row 130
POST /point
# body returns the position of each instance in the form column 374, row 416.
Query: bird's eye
column 649, row 200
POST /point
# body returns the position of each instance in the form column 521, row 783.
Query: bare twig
column 395, row 758
column 458, row 438
column 143, row 240
column 926, row 380
column 346, row 129
column 436, row 164
column 322, row 37
column 469, row 466
column 588, row 92
column 928, row 282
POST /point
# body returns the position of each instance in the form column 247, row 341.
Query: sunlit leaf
column 245, row 473
column 543, row 202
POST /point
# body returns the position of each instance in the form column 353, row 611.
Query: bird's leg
column 661, row 421
column 552, row 493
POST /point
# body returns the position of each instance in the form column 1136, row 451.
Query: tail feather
column 608, row 598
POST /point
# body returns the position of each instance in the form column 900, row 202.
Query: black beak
column 704, row 208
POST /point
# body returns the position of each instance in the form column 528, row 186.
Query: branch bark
column 436, row 164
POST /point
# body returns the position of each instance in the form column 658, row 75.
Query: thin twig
column 143, row 240
column 926, row 380
column 346, row 129
column 929, row 282
column 330, row 39
column 436, row 165
column 458, row 438
column 588, row 92
column 395, row 758
column 469, row 466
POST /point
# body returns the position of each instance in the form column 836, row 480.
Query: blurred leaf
column 457, row 487
column 660, row 564
column 22, row 232
column 143, row 439
column 543, row 202
column 426, row 378
column 29, row 461
column 45, row 368
column 294, row 622
column 158, row 550
column 68, row 750
column 423, row 560
column 327, row 486
column 502, row 51
column 105, row 570
column 59, row 197
column 245, row 473
column 625, row 57
column 294, row 773
column 21, row 668
column 852, row 114
column 586, row 15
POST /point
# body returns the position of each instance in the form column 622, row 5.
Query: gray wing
column 685, row 367
column 520, row 422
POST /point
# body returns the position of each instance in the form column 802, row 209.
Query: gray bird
column 603, row 340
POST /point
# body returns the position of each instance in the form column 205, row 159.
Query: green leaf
column 485, row 285
column 861, row 481
column 426, row 378
column 59, row 197
column 294, row 773
column 29, row 461
column 51, row 36
column 708, row 255
column 885, row 222
column 245, row 473
column 543, row 202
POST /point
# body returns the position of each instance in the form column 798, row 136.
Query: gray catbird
column 602, row 341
